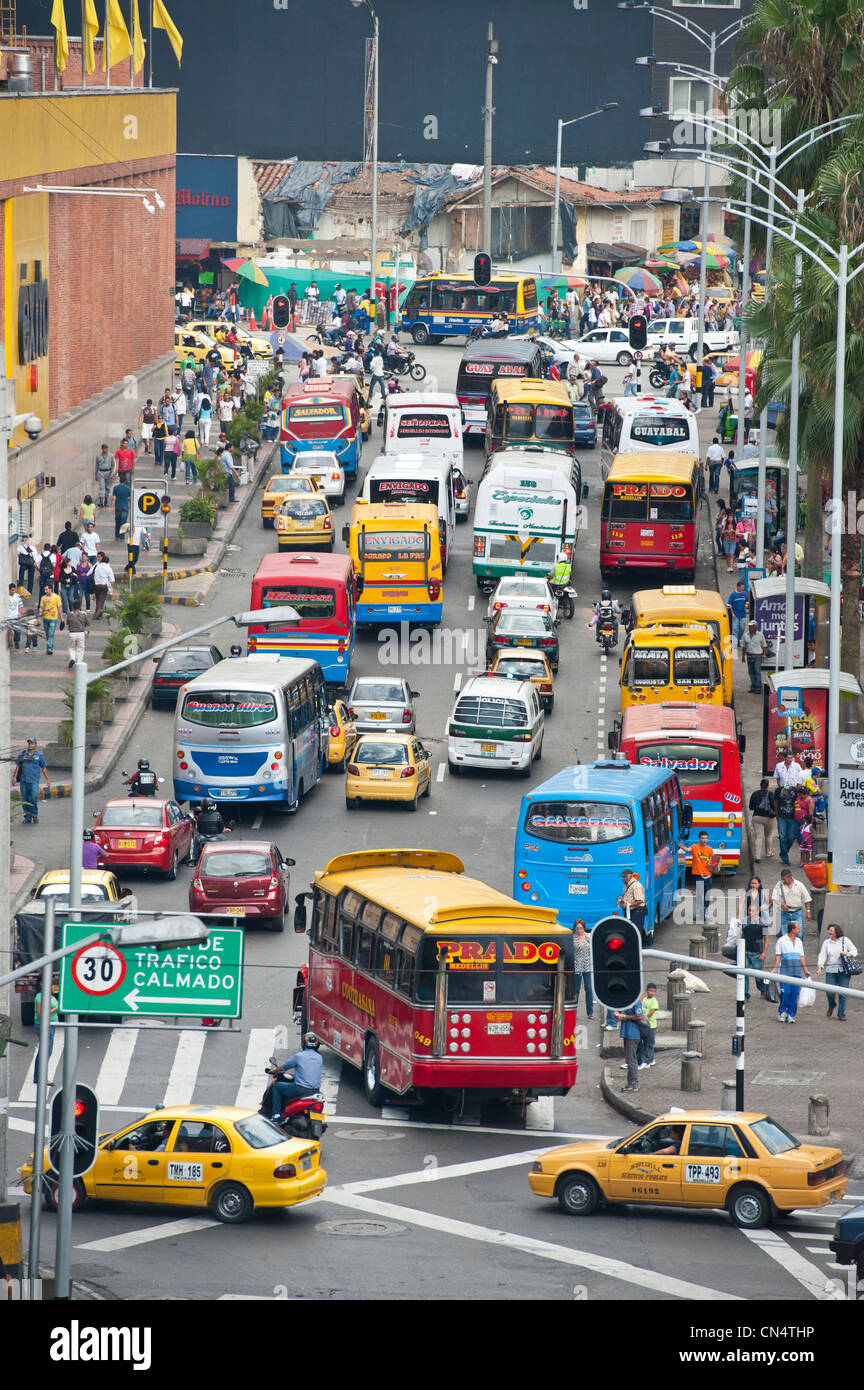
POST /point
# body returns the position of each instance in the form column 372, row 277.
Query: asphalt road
column 411, row 1197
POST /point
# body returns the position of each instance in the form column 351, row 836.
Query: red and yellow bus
column 432, row 982
column 322, row 590
column 323, row 414
column 649, row 516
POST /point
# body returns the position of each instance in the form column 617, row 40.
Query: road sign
column 147, row 503
column 199, row 981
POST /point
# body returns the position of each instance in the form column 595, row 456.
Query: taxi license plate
column 488, row 747
column 306, row 1162
column 235, row 912
column 380, row 772
column 303, row 525
column 577, row 887
column 127, row 844
column 376, row 715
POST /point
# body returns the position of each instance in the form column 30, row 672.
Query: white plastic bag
column 806, row 997
column 734, row 932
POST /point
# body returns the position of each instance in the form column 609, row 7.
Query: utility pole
column 7, row 425
column 488, row 113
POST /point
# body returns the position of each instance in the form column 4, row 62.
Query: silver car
column 522, row 591
column 377, row 703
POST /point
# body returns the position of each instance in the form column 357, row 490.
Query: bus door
column 571, row 853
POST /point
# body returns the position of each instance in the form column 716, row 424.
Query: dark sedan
column 175, row 668
column 519, row 627
column 584, row 424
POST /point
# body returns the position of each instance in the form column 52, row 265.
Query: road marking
column 810, row 1276
column 452, row 1170
column 541, row 1115
column 148, row 1233
column 439, row 775
column 22, row 1126
column 457, row 681
column 115, row 1065
column 331, row 1075
column 28, row 1087
column 543, row 1249
column 465, row 1129
column 395, row 1112
column 471, row 601
column 809, row 1235
column 184, row 1069
column 258, row 821
column 258, row 1050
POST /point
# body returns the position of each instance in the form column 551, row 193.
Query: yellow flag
column 58, row 22
column 163, row 20
column 137, row 39
column 118, row 44
column 91, row 29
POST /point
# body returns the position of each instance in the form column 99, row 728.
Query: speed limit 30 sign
column 98, row 968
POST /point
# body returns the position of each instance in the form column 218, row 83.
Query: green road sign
column 195, row 981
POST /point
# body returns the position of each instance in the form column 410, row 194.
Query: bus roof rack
column 620, row 763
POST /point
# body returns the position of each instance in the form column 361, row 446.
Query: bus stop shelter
column 768, row 607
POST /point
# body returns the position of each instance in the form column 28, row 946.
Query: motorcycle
column 658, row 375
column 202, row 838
column 606, row 635
column 481, row 331
column 566, row 597
column 404, row 365
column 302, row 1118
column 134, row 789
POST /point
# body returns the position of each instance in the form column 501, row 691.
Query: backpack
column 765, row 806
column 46, row 567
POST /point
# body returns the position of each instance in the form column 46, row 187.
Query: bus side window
column 326, row 918
column 385, row 962
column 647, row 829
column 363, row 942
column 293, row 695
column 405, row 974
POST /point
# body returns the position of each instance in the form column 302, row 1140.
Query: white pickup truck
column 683, row 335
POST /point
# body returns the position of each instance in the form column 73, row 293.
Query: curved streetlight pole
column 373, row 275
column 556, row 203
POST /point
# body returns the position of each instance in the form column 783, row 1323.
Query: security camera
column 33, row 426
column 493, row 59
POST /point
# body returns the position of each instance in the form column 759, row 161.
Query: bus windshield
column 404, row 490
column 694, row 666
column 393, row 545
column 318, row 419
column 229, row 709
column 648, row 666
column 670, row 502
column 663, row 430
column 492, row 970
column 428, row 425
column 579, row 822
column 625, row 502
column 697, row 764
column 310, row 600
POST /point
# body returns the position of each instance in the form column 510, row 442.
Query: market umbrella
column 714, row 260
column 247, row 270
column 659, row 263
column 636, row 278
column 670, row 247
column 565, row 282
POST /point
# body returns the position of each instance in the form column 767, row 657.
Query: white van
column 523, row 516
column 634, row 424
column 683, row 336
column 416, row 478
column 495, row 723
column 425, row 422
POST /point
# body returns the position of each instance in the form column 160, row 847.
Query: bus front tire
column 420, row 334
column 372, row 1072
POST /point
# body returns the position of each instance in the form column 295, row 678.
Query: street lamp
column 140, row 193
column 373, row 277
column 598, row 111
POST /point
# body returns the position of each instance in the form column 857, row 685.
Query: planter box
column 189, row 545
column 60, row 754
column 192, row 530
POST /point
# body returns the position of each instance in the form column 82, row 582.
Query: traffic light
column 482, row 269
column 86, row 1130
column 638, row 330
column 281, row 311
column 616, row 962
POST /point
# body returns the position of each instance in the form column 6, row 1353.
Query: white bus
column 424, row 422
column 251, row 729
column 522, row 517
column 416, row 478
column 636, row 424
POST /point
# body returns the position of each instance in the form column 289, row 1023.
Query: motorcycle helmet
column 208, row 804
column 561, row 557
column 88, row 835
column 143, row 765
column 311, row 1040
column 605, row 597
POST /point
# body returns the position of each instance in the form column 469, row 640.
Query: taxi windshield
column 381, row 754
column 774, row 1137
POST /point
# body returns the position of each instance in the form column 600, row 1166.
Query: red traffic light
column 482, row 268
column 637, row 330
column 80, row 1109
column 616, row 962
column 614, row 943
column 281, row 311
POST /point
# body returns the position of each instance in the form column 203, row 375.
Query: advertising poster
column 805, row 731
column 846, row 822
column 770, row 615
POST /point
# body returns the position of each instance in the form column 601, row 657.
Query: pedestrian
column 78, row 625
column 68, row 582
column 28, row 559
column 319, row 363
column 104, row 471
column 714, row 456
column 67, row 538
column 146, row 421
column 139, row 536
column 172, row 450
column 789, row 772
column 835, row 947
column 729, row 542
column 582, row 965
column 30, row 767
column 160, row 434
column 181, row 406
column 90, row 541
column 122, row 494
column 789, row 960
column 737, row 606
column 103, row 578
column 231, row 474
column 629, row 379
column 376, row 376
column 754, row 917
column 788, row 826
column 52, row 1014
column 46, row 568
column 125, row 460
column 14, row 615
column 189, row 452
column 204, row 415
column 703, row 861
column 708, row 380
column 763, row 814
column 648, row 1037
column 630, row 1036
column 86, row 512
column 754, row 646
column 792, row 901
column 292, row 300
column 50, row 610
column 632, row 899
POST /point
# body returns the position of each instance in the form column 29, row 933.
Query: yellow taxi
column 219, row 1157
column 745, row 1162
column 343, row 735
column 721, row 294
column 278, row 490
column 527, row 665
column 197, row 345
column 388, row 767
column 97, row 886
column 757, row 289
column 216, row 329
column 304, row 520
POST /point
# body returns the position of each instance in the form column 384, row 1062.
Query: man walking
column 707, row 370
column 50, row 608
column 754, row 646
column 146, row 421
column 792, row 900
column 30, row 766
column 125, row 460
column 231, row 475
column 122, row 494
column 377, row 376
column 737, row 606
column 704, row 860
column 714, row 457
column 788, row 828
column 78, row 625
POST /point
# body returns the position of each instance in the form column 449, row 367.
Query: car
column 584, row 424
column 743, row 1161
column 175, row 668
column 248, row 880
column 606, row 345
column 522, row 591
column 728, row 365
column 376, row 703
column 721, row 294
column 343, row 735
column 324, row 469
column 144, row 833
column 461, row 493
column 560, row 350
column 757, row 289
column 388, row 767
column 527, row 664
column 277, row 491
column 847, row 1242
column 221, row 1158
column 215, row 328
column 304, row 521
column 518, row 627
column 97, row 886
column 197, row 345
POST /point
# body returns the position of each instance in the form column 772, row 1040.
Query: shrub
column 198, row 509
column 139, row 607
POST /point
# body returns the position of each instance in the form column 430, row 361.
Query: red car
column 144, row 833
column 249, row 879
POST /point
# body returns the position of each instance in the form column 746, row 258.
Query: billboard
column 206, row 196
column 796, row 721
column 846, row 823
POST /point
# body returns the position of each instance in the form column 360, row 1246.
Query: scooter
column 134, row 790
column 302, row 1118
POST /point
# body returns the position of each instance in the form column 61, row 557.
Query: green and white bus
column 524, row 514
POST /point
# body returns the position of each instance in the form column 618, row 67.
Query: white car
column 563, row 350
column 324, row 469
column 606, row 345
column 522, row 591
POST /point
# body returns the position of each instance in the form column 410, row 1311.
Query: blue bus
column 323, row 415
column 251, row 728
column 577, row 833
column 450, row 306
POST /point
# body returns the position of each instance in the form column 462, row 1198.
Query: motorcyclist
column 498, row 327
column 209, row 825
column 562, row 570
column 143, row 781
column 307, row 1067
column 606, row 610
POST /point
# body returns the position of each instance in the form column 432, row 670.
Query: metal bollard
column 698, row 948
column 712, row 939
column 671, row 989
column 818, row 1110
column 727, row 1101
column 691, row 1071
column 681, row 1007
column 696, row 1036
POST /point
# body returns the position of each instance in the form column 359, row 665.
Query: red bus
column 704, row 746
column 648, row 519
column 322, row 590
column 431, row 982
column 322, row 414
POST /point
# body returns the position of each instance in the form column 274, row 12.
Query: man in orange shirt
column 703, row 862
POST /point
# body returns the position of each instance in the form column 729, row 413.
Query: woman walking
column 103, row 577
column 729, row 542
column 582, row 964
column 789, row 960
column 190, row 452
column 754, row 914
column 834, row 948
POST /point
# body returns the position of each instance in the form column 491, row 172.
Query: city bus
column 321, row 589
column 672, row 663
column 252, row 729
column 425, row 422
column 322, row 414
column 395, row 548
column 436, row 985
column 416, row 478
column 527, row 411
column 634, row 424
column 649, row 514
column 522, row 518
column 482, row 363
column 448, row 306
column 679, row 605
column 577, row 832
column 704, row 747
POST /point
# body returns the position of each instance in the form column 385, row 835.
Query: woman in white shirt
column 789, row 960
column 834, row 946
column 103, row 577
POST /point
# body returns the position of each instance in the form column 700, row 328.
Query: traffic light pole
column 41, row 1093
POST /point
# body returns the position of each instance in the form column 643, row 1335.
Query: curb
column 617, row 1101
column 188, row 574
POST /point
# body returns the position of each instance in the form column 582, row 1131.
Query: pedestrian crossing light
column 281, row 311
column 86, row 1130
column 616, row 962
column 638, row 330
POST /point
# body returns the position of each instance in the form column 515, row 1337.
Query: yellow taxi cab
column 217, row 328
column 97, row 886
column 721, row 294
column 197, row 345
column 278, row 490
column 527, row 665
column 304, row 520
column 219, row 1157
column 343, row 735
column 757, row 289
column 743, row 1161
column 388, row 767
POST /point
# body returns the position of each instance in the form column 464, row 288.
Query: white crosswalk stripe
column 115, row 1065
column 258, row 1051
column 27, row 1094
column 184, row 1070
